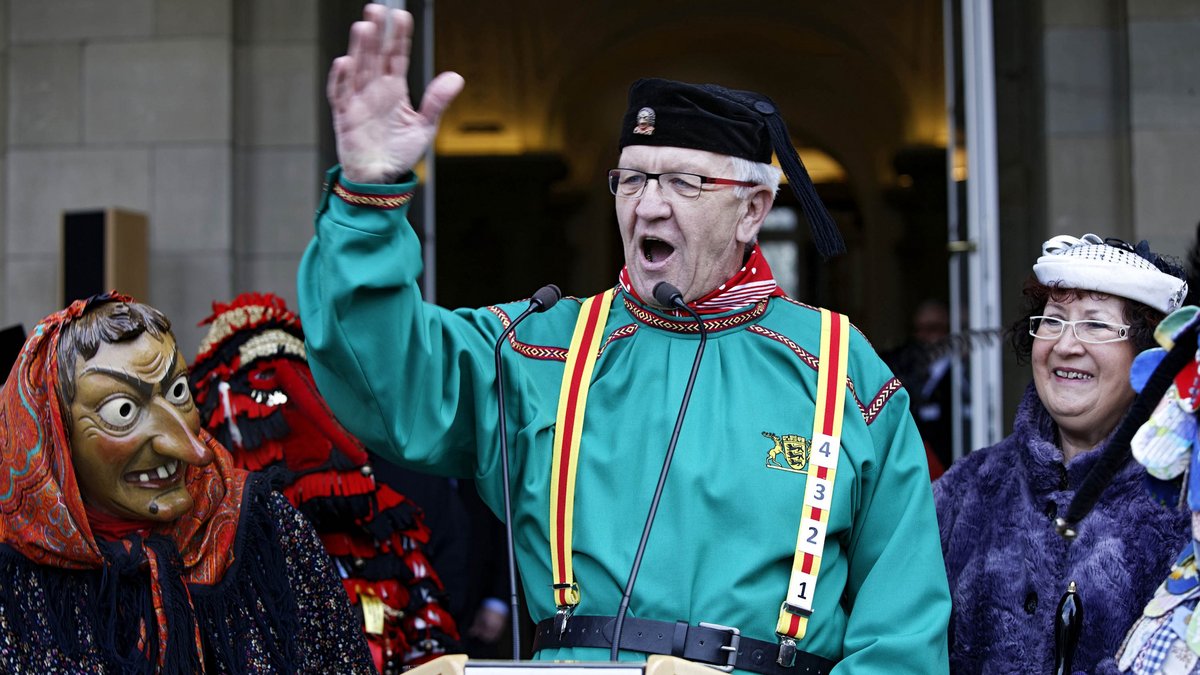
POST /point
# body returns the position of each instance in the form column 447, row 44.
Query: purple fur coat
column 1008, row 568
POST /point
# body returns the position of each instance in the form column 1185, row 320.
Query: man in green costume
column 417, row 383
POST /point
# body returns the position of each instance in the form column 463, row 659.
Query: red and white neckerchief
column 752, row 283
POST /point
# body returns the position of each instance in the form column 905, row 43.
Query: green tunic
column 416, row 383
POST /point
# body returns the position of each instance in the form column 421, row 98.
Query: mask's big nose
column 173, row 436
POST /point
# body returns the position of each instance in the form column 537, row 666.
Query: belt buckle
column 735, row 641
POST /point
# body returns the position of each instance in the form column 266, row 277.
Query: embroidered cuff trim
column 374, row 201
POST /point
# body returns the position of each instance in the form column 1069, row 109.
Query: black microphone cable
column 542, row 300
column 665, row 295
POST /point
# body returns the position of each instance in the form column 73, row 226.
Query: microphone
column 542, row 300
column 668, row 296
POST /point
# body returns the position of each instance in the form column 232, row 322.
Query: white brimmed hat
column 1090, row 264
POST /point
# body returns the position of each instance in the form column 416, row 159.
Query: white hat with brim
column 1090, row 264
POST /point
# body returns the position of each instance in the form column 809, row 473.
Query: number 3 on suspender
column 818, row 489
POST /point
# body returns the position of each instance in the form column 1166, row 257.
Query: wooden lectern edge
column 656, row 664
column 448, row 664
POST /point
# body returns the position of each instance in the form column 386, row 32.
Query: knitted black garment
column 280, row 608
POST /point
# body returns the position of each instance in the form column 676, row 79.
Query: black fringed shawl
column 279, row 608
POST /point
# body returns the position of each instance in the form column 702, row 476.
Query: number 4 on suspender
column 818, row 489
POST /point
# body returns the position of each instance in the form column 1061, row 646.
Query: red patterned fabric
column 752, row 283
column 42, row 515
column 105, row 526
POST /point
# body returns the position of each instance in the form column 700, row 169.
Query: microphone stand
column 668, row 296
column 542, row 300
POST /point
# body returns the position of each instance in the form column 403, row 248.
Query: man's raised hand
column 380, row 136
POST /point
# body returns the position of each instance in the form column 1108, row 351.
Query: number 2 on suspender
column 818, row 489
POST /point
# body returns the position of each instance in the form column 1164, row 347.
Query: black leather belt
column 708, row 644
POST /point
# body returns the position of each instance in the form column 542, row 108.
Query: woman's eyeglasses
column 1086, row 330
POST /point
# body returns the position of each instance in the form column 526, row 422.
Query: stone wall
column 279, row 88
column 1164, row 101
column 1122, row 119
column 199, row 114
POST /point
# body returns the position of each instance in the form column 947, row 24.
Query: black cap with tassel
column 728, row 122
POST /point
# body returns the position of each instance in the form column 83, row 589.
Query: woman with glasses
column 1091, row 305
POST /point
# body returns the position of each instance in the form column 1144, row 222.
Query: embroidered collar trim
column 688, row 325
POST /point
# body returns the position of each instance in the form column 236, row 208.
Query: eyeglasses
column 1086, row 330
column 630, row 184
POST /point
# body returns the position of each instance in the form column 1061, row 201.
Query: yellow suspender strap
column 822, row 473
column 572, row 401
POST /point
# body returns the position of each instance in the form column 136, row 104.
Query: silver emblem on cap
column 645, row 122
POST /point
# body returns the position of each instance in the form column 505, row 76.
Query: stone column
column 1164, row 100
column 1085, row 80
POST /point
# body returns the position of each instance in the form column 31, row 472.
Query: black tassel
column 123, row 602
column 825, row 233
column 1117, row 452
column 181, row 656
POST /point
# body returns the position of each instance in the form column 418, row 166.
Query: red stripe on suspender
column 822, row 472
column 815, row 513
column 807, row 564
column 565, row 449
column 835, row 357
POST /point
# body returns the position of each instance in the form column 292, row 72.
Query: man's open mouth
column 656, row 250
